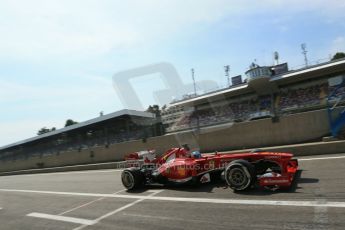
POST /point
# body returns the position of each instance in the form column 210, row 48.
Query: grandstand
column 272, row 107
column 270, row 91
column 121, row 126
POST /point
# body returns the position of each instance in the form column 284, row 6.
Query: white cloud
column 39, row 29
column 46, row 31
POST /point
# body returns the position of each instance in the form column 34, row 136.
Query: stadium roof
column 83, row 124
column 230, row 90
column 305, row 73
column 313, row 71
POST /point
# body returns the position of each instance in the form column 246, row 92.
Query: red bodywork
column 178, row 166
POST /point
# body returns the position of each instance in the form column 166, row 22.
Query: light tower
column 193, row 77
column 276, row 57
column 227, row 73
column 304, row 52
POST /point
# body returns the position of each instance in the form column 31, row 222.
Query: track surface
column 96, row 200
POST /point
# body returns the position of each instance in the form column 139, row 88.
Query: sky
column 58, row 57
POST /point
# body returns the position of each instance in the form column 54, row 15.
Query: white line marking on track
column 299, row 203
column 89, row 203
column 119, row 209
column 81, row 206
column 62, row 218
column 320, row 158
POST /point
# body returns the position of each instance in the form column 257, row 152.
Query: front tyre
column 239, row 175
column 132, row 178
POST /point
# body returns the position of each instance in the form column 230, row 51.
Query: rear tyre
column 132, row 178
column 240, row 175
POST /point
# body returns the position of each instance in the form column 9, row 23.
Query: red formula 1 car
column 240, row 171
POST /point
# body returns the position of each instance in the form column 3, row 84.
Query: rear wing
column 137, row 158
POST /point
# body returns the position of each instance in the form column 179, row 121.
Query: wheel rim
column 237, row 177
column 127, row 180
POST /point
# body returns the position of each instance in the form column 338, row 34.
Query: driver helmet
column 196, row 154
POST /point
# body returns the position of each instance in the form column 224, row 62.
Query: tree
column 155, row 110
column 158, row 126
column 70, row 122
column 338, row 55
column 45, row 130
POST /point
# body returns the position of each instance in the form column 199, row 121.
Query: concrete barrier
column 109, row 165
column 298, row 150
column 306, row 149
column 291, row 129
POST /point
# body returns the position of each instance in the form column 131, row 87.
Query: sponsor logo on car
column 211, row 164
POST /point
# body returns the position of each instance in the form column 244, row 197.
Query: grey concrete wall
column 305, row 149
column 290, row 129
column 295, row 128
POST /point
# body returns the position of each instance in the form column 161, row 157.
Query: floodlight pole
column 276, row 57
column 227, row 73
column 304, row 52
column 193, row 77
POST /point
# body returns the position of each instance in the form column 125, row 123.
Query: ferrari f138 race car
column 240, row 171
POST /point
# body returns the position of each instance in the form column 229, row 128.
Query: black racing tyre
column 239, row 175
column 132, row 178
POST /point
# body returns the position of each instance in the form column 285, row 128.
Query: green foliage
column 157, row 127
column 45, row 130
column 155, row 110
column 338, row 55
column 70, row 122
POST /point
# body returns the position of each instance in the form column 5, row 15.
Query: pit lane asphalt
column 96, row 200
